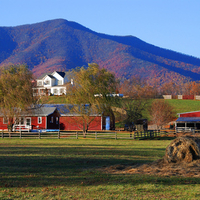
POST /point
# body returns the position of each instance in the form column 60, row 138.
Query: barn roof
column 64, row 109
column 39, row 111
column 189, row 112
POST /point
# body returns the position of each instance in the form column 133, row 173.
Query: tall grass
column 69, row 169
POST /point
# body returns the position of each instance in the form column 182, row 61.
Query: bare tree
column 161, row 113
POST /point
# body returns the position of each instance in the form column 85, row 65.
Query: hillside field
column 179, row 105
column 184, row 105
column 75, row 169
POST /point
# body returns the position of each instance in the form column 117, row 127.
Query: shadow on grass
column 159, row 138
column 92, row 178
column 36, row 171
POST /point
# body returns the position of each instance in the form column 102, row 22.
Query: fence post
column 2, row 134
column 59, row 134
column 115, row 135
column 20, row 135
column 134, row 136
column 76, row 135
column 95, row 135
column 39, row 134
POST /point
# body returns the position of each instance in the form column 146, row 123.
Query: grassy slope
column 179, row 105
column 184, row 105
column 68, row 169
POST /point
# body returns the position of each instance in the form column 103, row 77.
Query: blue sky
column 171, row 24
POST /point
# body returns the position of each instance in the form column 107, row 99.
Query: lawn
column 70, row 169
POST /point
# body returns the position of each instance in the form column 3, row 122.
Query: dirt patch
column 159, row 168
column 181, row 159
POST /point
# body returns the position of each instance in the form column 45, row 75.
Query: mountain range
column 62, row 45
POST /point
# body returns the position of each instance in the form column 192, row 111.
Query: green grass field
column 184, row 105
column 69, row 169
column 179, row 105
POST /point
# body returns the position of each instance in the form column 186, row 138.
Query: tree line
column 91, row 93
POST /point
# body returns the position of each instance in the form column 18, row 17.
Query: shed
column 188, row 121
column 32, row 119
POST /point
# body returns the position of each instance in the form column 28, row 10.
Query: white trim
column 39, row 120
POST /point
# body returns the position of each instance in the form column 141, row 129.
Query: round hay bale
column 183, row 149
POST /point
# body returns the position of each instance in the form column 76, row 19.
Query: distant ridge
column 62, row 45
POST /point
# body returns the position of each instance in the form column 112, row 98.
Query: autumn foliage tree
column 138, row 88
column 91, row 93
column 16, row 93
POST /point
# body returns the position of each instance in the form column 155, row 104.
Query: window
column 19, row 121
column 28, row 121
column 39, row 120
column 59, row 82
column 47, row 82
column 5, row 120
column 61, row 91
column 57, row 120
column 55, row 91
column 22, row 120
column 39, row 83
column 51, row 120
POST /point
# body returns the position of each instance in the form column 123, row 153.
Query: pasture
column 76, row 169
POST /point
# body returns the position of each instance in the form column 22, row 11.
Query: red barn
column 188, row 121
column 73, row 121
column 36, row 118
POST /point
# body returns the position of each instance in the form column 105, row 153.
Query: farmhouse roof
column 62, row 74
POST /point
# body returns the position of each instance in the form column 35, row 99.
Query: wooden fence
column 80, row 135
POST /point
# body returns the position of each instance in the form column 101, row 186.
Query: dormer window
column 47, row 82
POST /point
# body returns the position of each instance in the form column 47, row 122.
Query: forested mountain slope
column 62, row 45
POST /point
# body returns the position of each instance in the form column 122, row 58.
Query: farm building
column 188, row 121
column 74, row 121
column 33, row 119
column 57, row 116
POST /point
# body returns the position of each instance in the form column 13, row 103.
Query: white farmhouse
column 52, row 84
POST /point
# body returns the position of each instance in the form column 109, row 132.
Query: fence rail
column 81, row 135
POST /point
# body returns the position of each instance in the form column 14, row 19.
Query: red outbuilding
column 73, row 121
column 188, row 121
column 33, row 119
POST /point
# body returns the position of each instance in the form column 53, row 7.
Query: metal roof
column 188, row 119
column 40, row 111
column 64, row 109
